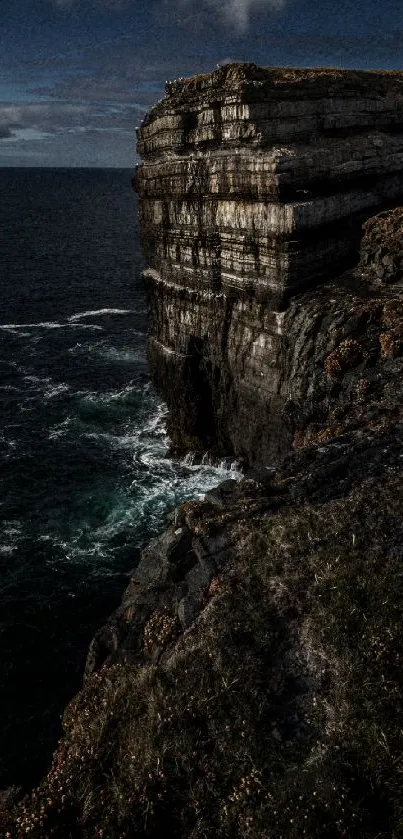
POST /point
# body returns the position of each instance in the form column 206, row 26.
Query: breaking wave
column 15, row 328
column 96, row 312
column 85, row 477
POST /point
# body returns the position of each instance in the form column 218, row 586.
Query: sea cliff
column 254, row 185
column 250, row 683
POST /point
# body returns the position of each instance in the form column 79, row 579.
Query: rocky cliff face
column 250, row 684
column 254, row 185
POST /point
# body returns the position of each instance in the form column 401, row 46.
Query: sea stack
column 254, row 185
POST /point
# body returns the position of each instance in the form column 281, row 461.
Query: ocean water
column 85, row 480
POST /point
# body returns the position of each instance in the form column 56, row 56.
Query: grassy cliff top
column 254, row 83
column 238, row 73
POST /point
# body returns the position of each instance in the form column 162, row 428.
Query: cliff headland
column 255, row 185
column 250, row 684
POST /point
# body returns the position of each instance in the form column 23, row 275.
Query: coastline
column 250, row 681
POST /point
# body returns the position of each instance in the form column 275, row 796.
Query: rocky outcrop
column 381, row 250
column 255, row 184
column 250, row 684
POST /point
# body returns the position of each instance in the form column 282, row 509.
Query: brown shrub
column 391, row 343
column 161, row 628
column 344, row 357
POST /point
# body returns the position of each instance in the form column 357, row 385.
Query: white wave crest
column 151, row 485
column 15, row 328
column 49, row 388
column 7, row 442
column 7, row 550
column 107, row 397
column 132, row 356
column 96, row 312
column 61, row 429
column 9, row 536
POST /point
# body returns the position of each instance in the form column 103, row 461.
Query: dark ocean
column 85, row 480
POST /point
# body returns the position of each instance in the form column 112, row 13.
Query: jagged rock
column 269, row 699
column 224, row 494
column 381, row 250
column 190, row 606
column 179, row 544
column 254, row 184
column 250, row 684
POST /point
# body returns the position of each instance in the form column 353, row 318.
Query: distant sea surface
column 85, row 480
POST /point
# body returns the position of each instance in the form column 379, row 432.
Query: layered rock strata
column 254, row 184
column 250, row 684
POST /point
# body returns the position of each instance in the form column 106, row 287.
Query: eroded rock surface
column 254, row 184
column 250, row 684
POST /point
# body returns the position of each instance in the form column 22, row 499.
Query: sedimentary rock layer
column 258, row 176
column 254, row 184
column 250, row 682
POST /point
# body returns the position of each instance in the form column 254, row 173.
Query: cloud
column 234, row 13
column 114, row 5
column 68, row 131
column 114, row 75
column 98, row 90
column 39, row 120
column 5, row 132
column 34, row 113
column 67, row 134
column 238, row 12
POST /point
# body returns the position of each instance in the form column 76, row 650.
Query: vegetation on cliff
column 276, row 710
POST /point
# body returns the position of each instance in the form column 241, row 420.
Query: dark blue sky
column 77, row 75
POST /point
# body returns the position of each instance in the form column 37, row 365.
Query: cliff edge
column 254, row 186
column 250, row 684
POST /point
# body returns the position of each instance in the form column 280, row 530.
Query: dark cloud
column 85, row 148
column 89, row 69
column 5, row 132
column 117, row 76
column 93, row 89
column 45, row 117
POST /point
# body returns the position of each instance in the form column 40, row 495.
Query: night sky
column 77, row 75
